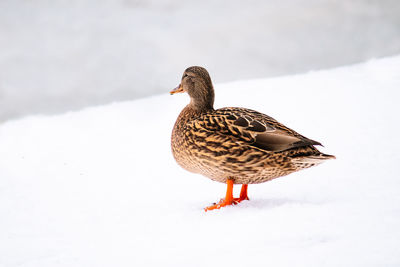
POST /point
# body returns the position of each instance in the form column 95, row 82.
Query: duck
column 234, row 145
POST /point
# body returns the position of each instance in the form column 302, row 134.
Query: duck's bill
column 178, row 89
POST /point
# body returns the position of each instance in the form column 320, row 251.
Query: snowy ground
column 99, row 187
column 60, row 55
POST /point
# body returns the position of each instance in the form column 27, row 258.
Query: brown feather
column 235, row 143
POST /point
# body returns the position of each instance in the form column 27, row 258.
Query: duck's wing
column 254, row 128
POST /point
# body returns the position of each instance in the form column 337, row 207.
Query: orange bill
column 178, row 89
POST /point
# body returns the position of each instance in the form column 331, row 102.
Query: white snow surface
column 99, row 187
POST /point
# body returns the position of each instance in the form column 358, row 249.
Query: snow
column 99, row 187
column 67, row 54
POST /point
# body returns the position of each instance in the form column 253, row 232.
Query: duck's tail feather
column 309, row 161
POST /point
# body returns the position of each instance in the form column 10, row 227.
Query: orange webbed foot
column 229, row 200
column 238, row 199
column 221, row 203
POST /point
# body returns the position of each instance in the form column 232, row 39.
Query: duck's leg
column 243, row 194
column 228, row 200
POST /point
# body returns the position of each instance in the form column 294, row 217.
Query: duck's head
column 197, row 83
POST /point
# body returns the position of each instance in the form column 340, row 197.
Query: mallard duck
column 234, row 145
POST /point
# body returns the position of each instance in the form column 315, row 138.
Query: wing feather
column 255, row 128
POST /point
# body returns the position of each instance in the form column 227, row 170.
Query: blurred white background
column 63, row 55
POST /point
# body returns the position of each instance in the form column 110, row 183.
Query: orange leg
column 228, row 200
column 243, row 194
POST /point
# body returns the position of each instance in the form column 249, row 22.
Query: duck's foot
column 229, row 200
column 238, row 199
column 220, row 204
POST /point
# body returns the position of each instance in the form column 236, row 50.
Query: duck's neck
column 202, row 99
column 200, row 106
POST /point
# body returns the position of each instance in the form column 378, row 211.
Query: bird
column 234, row 145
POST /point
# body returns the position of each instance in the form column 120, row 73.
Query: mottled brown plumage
column 237, row 144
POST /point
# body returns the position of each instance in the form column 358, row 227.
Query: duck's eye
column 184, row 76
